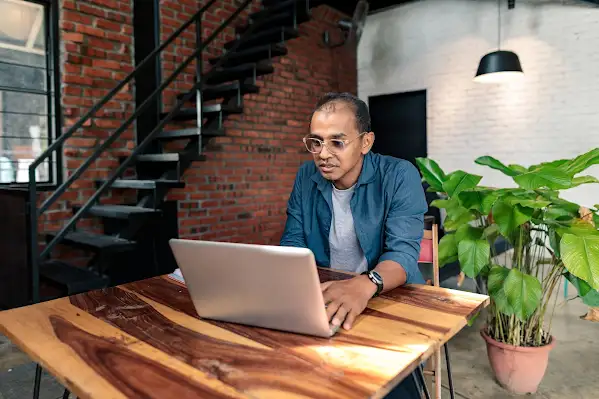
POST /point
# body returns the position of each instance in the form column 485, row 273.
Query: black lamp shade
column 497, row 66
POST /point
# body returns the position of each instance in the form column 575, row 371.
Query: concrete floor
column 572, row 371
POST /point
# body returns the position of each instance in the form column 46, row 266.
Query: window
column 28, row 122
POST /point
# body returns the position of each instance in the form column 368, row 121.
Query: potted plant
column 550, row 240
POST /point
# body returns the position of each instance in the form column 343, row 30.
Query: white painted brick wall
column 436, row 45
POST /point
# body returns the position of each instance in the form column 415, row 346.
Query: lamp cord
column 498, row 24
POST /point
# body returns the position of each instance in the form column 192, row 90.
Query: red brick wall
column 240, row 193
column 173, row 14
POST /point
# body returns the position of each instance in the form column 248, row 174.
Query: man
column 356, row 210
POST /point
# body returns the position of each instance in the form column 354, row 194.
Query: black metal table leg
column 449, row 377
column 37, row 381
column 66, row 394
column 420, row 374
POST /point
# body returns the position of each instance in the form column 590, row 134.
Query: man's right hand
column 346, row 299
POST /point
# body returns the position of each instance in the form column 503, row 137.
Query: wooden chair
column 429, row 255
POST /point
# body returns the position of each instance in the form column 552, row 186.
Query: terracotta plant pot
column 518, row 369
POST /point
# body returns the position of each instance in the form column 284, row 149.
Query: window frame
column 53, row 95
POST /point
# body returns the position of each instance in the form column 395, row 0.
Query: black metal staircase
column 232, row 75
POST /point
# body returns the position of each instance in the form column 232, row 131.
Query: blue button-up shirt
column 388, row 208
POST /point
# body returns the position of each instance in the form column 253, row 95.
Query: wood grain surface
column 145, row 340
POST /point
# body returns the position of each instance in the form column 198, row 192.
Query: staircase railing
column 57, row 144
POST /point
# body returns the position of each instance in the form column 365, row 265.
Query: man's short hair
column 328, row 101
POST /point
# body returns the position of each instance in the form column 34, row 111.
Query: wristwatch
column 376, row 279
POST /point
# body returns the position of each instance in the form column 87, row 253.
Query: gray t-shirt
column 346, row 253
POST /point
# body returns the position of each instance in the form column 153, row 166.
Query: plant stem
column 520, row 249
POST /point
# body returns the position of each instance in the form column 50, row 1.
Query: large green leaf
column 559, row 213
column 473, row 256
column 518, row 168
column 589, row 296
column 471, row 199
column 496, row 164
column 591, row 299
column 523, row 293
column 528, row 203
column 444, row 203
column 581, row 286
column 448, row 250
column 553, row 196
column 459, row 181
column 468, row 232
column 581, row 162
column 484, row 273
column 513, row 192
column 554, row 164
column 577, row 181
column 497, row 276
column 491, row 232
column 578, row 227
column 508, row 217
column 554, row 240
column 432, row 173
column 549, row 177
column 580, row 255
column 489, row 201
column 478, row 200
column 457, row 217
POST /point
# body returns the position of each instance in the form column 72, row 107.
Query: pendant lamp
column 501, row 65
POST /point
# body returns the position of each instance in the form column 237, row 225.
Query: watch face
column 377, row 277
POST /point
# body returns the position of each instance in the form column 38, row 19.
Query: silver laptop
column 258, row 285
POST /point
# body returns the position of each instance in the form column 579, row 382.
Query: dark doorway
column 399, row 124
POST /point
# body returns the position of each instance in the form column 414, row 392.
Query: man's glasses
column 334, row 146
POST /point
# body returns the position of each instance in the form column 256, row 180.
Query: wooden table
column 145, row 340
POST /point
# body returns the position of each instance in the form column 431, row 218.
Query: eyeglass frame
column 323, row 143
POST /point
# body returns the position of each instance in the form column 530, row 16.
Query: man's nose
column 324, row 153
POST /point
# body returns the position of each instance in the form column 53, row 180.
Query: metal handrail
column 140, row 146
column 35, row 213
column 64, row 136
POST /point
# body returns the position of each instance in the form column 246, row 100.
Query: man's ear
column 367, row 142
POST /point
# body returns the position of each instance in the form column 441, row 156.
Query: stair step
column 71, row 279
column 167, row 157
column 287, row 18
column 215, row 108
column 275, row 35
column 243, row 71
column 275, row 7
column 254, row 54
column 228, row 89
column 224, row 90
column 120, row 211
column 179, row 116
column 190, row 114
column 188, row 133
column 94, row 242
column 144, row 184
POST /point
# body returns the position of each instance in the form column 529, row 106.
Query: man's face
column 339, row 162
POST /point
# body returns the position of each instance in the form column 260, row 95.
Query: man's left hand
column 346, row 299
